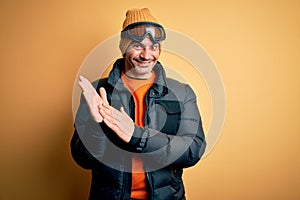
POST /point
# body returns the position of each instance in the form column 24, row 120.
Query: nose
column 146, row 54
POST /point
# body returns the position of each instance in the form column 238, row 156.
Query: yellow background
column 255, row 45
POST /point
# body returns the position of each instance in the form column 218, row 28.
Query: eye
column 137, row 46
column 155, row 47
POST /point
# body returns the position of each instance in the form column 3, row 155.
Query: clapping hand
column 101, row 111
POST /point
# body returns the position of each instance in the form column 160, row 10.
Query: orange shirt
column 138, row 89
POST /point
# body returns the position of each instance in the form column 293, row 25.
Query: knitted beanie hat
column 133, row 16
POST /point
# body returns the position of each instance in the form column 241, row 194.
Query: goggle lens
column 139, row 32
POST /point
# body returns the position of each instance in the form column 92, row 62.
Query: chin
column 139, row 69
column 142, row 71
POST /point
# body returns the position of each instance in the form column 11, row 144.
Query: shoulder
column 172, row 83
column 178, row 87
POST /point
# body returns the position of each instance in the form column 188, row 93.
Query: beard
column 141, row 67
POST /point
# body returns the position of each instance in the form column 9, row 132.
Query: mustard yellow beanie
column 133, row 16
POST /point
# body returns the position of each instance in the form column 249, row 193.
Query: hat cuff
column 124, row 44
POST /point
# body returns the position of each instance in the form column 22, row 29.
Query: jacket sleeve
column 184, row 148
column 88, row 142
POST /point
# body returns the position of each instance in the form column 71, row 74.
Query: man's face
column 140, row 58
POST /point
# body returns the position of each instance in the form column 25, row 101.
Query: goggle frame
column 126, row 33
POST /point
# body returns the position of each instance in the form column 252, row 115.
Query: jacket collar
column 158, row 89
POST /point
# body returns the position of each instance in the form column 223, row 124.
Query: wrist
column 139, row 138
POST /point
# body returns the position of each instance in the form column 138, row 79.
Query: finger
column 107, row 112
column 107, row 117
column 117, row 130
column 83, row 81
column 103, row 95
column 82, row 84
column 88, row 90
column 112, row 126
column 106, row 109
column 97, row 118
column 107, row 106
column 91, row 97
column 86, row 86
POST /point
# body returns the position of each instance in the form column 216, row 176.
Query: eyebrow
column 139, row 43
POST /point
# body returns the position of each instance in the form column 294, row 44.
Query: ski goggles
column 139, row 31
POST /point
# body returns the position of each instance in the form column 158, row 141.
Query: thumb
column 103, row 95
column 122, row 110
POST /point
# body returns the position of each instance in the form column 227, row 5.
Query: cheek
column 130, row 56
column 133, row 54
column 156, row 55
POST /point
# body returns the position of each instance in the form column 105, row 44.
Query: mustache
column 139, row 59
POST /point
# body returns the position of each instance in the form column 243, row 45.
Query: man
column 137, row 129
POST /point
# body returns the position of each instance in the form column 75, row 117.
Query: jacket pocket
column 171, row 107
column 167, row 116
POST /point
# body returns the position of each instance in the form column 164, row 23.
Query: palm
column 100, row 110
column 92, row 98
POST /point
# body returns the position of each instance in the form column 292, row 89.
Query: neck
column 136, row 78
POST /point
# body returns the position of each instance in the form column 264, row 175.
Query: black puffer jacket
column 171, row 140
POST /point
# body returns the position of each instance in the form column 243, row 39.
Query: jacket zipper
column 150, row 185
column 125, row 179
